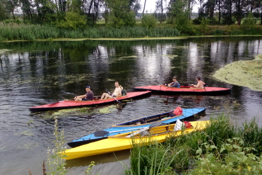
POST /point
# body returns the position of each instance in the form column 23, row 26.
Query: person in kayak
column 200, row 84
column 175, row 83
column 117, row 92
column 88, row 96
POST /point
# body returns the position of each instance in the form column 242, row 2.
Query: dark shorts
column 113, row 96
column 84, row 99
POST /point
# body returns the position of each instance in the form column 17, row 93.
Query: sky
column 151, row 5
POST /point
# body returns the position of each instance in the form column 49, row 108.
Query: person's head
column 88, row 88
column 198, row 78
column 116, row 84
column 174, row 79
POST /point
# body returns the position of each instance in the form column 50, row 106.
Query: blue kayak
column 133, row 125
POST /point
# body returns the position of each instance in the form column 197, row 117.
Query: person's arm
column 80, row 96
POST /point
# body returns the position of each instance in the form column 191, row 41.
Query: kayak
column 127, row 140
column 72, row 104
column 133, row 125
column 183, row 89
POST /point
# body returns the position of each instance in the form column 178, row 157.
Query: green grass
column 36, row 32
column 222, row 146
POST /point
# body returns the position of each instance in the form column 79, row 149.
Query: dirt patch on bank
column 243, row 73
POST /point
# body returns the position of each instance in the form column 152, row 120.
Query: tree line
column 119, row 13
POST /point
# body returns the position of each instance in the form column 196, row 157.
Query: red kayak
column 183, row 89
column 72, row 104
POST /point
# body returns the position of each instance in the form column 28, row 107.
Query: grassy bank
column 15, row 32
column 222, row 148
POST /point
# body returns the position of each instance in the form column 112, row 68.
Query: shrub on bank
column 222, row 146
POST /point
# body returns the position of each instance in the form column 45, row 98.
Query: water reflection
column 34, row 73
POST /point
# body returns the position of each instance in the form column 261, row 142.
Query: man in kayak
column 117, row 92
column 175, row 83
column 88, row 96
column 200, row 84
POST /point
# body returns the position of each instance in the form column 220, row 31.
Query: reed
column 34, row 32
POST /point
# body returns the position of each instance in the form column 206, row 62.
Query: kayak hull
column 73, row 104
column 183, row 90
column 118, row 143
column 125, row 127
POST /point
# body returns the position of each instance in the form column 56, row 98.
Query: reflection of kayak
column 71, row 104
column 183, row 89
column 131, row 125
column 124, row 141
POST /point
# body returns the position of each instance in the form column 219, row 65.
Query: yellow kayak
column 125, row 141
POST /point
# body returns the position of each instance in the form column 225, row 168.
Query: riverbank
column 18, row 33
column 242, row 73
column 222, row 148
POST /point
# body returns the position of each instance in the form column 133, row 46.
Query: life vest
column 178, row 111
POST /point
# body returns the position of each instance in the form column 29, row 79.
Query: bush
column 73, row 21
column 250, row 20
column 149, row 21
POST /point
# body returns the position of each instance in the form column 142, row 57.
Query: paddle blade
column 155, row 124
column 100, row 133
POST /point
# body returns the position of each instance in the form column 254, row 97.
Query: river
column 35, row 73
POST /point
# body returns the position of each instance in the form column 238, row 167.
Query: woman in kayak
column 117, row 92
column 200, row 84
column 88, row 96
column 175, row 83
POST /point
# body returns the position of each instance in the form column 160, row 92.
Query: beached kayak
column 183, row 89
column 124, row 141
column 72, row 104
column 137, row 124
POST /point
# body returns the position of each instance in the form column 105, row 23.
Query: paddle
column 113, row 97
column 103, row 133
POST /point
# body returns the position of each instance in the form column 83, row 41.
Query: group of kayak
column 119, row 90
column 124, row 135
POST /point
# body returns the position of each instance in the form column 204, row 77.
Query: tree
column 3, row 11
column 179, row 15
column 73, row 21
column 149, row 21
column 159, row 7
column 144, row 8
column 120, row 14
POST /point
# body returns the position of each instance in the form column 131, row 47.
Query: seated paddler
column 88, row 96
column 174, row 84
column 117, row 92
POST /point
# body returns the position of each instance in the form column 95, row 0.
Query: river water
column 35, row 73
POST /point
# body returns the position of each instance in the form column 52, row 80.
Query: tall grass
column 214, row 144
column 34, row 32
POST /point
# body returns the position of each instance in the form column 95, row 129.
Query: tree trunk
column 161, row 18
column 239, row 13
column 13, row 14
column 261, row 17
column 230, row 11
column 90, row 6
column 219, row 12
column 144, row 8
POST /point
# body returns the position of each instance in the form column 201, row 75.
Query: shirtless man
column 117, row 92
column 200, row 84
column 88, row 96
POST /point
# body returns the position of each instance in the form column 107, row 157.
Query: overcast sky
column 151, row 5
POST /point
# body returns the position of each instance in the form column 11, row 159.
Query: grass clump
column 223, row 148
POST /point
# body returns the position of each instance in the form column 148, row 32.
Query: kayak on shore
column 137, row 124
column 127, row 140
column 183, row 89
column 72, row 104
